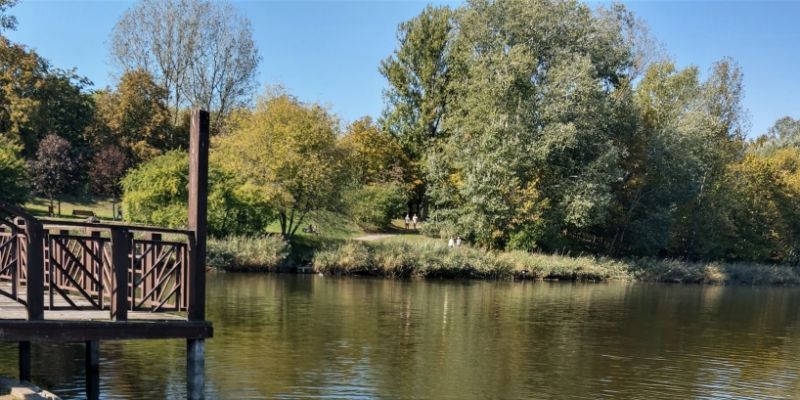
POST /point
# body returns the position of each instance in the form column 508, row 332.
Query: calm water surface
column 299, row 337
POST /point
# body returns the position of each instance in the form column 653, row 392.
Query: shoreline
column 433, row 260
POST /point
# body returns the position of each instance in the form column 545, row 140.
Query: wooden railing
column 84, row 265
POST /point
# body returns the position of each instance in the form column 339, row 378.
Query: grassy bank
column 102, row 207
column 336, row 251
column 428, row 259
column 248, row 254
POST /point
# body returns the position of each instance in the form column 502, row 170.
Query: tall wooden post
column 121, row 243
column 34, row 265
column 35, row 269
column 198, row 224
column 198, row 207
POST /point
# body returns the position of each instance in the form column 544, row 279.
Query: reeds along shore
column 397, row 259
column 248, row 254
column 401, row 260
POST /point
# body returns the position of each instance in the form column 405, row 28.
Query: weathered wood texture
column 78, row 264
column 81, row 331
column 198, row 207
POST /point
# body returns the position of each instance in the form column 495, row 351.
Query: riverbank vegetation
column 428, row 259
column 525, row 127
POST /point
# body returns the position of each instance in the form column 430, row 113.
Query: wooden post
column 92, row 364
column 198, row 205
column 25, row 361
column 35, row 269
column 198, row 224
column 121, row 243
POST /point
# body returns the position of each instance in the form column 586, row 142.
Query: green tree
column 289, row 152
column 37, row 100
column 13, row 177
column 374, row 206
column 762, row 213
column 419, row 73
column 135, row 116
column 156, row 193
column 660, row 162
column 374, row 155
column 530, row 148
column 784, row 133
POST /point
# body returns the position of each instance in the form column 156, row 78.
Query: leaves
column 289, row 151
column 13, row 177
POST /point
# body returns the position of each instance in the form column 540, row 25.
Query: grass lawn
column 101, row 207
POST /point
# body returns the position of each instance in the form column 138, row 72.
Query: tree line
column 552, row 126
column 517, row 124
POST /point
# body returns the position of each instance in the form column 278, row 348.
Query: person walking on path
column 408, row 221
column 415, row 219
column 450, row 243
column 458, row 241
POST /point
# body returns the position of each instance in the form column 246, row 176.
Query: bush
column 441, row 224
column 156, row 193
column 374, row 206
column 349, row 258
column 13, row 176
column 247, row 253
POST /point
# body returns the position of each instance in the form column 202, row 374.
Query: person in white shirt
column 458, row 241
column 450, row 243
column 415, row 219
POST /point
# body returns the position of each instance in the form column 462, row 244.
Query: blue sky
column 329, row 51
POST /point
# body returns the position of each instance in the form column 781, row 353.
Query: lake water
column 299, row 337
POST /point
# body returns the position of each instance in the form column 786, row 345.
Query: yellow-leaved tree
column 287, row 151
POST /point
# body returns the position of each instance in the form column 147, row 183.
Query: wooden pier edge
column 39, row 263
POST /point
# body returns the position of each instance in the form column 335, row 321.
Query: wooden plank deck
column 83, row 325
column 12, row 310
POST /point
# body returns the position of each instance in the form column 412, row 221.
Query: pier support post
column 25, row 361
column 195, row 369
column 92, row 362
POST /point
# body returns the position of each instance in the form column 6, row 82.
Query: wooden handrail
column 52, row 223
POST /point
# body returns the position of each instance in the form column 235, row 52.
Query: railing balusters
column 81, row 270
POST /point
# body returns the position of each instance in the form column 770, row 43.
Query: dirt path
column 375, row 236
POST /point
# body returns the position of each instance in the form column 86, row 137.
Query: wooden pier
column 67, row 281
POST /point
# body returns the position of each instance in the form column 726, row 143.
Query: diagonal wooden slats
column 159, row 284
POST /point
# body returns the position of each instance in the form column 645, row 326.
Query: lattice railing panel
column 160, row 276
column 10, row 265
column 78, row 272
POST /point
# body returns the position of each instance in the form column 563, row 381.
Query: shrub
column 374, row 206
column 156, row 193
column 13, row 177
column 349, row 258
column 247, row 253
